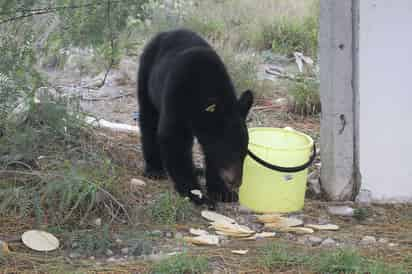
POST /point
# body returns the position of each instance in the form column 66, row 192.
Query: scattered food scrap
column 216, row 217
column 203, row 240
column 40, row 240
column 240, row 252
column 323, row 227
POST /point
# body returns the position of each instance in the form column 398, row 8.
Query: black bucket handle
column 284, row 169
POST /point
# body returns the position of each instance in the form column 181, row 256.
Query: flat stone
column 109, row 252
column 74, row 255
column 368, row 240
column 315, row 240
column 328, row 242
column 111, row 260
column 344, row 211
column 98, row 222
column 383, row 241
column 125, row 251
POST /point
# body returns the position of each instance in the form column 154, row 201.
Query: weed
column 277, row 256
column 304, row 96
column 341, row 261
column 169, row 209
column 181, row 263
column 361, row 214
column 94, row 242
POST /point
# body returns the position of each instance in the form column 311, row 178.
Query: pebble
column 109, row 252
column 119, row 241
column 178, row 235
column 137, row 183
column 368, row 240
column 156, row 233
column 169, row 234
column 315, row 240
column 245, row 210
column 74, row 255
column 345, row 211
column 4, row 248
column 111, row 260
column 125, row 251
column 392, row 245
column 328, row 242
column 383, row 241
column 98, row 222
column 92, row 258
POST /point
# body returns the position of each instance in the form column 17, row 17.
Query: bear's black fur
column 184, row 91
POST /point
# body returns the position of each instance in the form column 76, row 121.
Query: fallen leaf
column 203, row 240
column 216, row 217
column 323, row 227
column 240, row 252
column 40, row 240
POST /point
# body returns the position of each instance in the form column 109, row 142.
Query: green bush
column 169, row 209
column 304, row 96
column 181, row 264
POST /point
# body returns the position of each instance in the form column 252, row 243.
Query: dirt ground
column 390, row 225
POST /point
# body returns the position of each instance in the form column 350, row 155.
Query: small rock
column 368, row 240
column 136, row 183
column 157, row 257
column 111, row 260
column 178, row 235
column 383, row 241
column 314, row 185
column 125, row 251
column 169, row 234
column 74, row 255
column 281, row 102
column 4, row 248
column 245, row 210
column 328, row 242
column 98, row 222
column 92, row 258
column 345, row 211
column 315, row 240
column 119, row 241
column 156, row 233
column 364, row 197
column 392, row 245
column 109, row 252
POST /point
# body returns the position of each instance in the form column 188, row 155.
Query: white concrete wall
column 385, row 90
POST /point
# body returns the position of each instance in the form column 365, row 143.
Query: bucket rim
column 289, row 130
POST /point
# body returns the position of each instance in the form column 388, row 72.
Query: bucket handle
column 284, row 169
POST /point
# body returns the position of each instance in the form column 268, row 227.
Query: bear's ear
column 245, row 103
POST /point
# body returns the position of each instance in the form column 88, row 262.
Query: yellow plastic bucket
column 275, row 170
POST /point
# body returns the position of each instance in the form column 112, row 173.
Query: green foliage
column 304, row 96
column 341, row 261
column 181, row 263
column 290, row 35
column 169, row 209
column 275, row 256
column 361, row 214
column 350, row 261
column 93, row 242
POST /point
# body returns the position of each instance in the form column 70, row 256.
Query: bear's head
column 226, row 148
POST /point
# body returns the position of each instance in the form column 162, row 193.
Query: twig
column 116, row 201
column 107, row 98
column 111, row 43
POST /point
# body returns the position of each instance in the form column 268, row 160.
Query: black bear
column 184, row 91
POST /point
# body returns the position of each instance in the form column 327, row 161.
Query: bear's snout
column 232, row 176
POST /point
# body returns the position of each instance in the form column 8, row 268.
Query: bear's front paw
column 202, row 200
column 154, row 174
